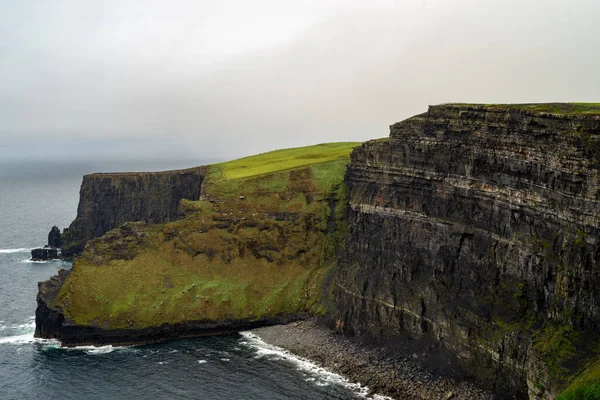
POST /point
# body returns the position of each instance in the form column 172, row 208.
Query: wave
column 23, row 334
column 20, row 339
column 323, row 376
column 58, row 261
column 9, row 251
column 95, row 349
column 27, row 338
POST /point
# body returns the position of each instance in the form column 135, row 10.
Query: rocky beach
column 398, row 372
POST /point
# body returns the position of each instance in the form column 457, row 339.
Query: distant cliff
column 478, row 228
column 107, row 201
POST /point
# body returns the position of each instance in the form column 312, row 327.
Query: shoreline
column 398, row 374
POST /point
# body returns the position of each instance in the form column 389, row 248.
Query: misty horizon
column 219, row 80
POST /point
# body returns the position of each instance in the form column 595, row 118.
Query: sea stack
column 52, row 250
column 54, row 238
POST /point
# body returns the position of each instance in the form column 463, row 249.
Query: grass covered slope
column 552, row 108
column 258, row 244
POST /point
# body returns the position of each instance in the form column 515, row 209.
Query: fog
column 222, row 79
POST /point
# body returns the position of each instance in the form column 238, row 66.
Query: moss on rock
column 259, row 243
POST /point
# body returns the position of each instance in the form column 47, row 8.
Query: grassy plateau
column 553, row 108
column 258, row 243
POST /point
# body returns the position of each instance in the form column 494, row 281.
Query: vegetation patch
column 587, row 392
column 280, row 160
column 259, row 244
column 553, row 108
column 557, row 345
column 586, row 385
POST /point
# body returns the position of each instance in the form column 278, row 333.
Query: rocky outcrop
column 48, row 319
column 50, row 323
column 52, row 250
column 228, row 264
column 477, row 228
column 45, row 253
column 54, row 237
column 107, row 201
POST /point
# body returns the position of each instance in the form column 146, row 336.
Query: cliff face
column 254, row 250
column 107, row 201
column 472, row 228
column 477, row 228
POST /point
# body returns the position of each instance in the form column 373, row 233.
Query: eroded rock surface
column 54, row 237
column 477, row 228
column 107, row 201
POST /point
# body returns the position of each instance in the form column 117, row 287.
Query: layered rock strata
column 472, row 229
column 107, row 201
column 477, row 228
column 229, row 263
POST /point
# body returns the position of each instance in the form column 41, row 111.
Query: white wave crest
column 19, row 339
column 10, row 251
column 22, row 333
column 96, row 350
column 323, row 376
column 28, row 338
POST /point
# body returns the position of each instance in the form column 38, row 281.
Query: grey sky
column 227, row 78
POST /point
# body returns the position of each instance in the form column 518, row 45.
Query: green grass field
column 554, row 108
column 281, row 160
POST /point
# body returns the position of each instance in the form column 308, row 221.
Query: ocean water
column 35, row 196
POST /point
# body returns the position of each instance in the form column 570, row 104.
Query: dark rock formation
column 107, row 201
column 50, row 323
column 52, row 250
column 473, row 229
column 54, row 237
column 47, row 319
column 44, row 253
column 478, row 228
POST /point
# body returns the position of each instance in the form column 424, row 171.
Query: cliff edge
column 477, row 228
column 473, row 230
column 108, row 200
column 254, row 249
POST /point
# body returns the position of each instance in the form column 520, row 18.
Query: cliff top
column 286, row 159
column 131, row 174
column 258, row 177
column 256, row 245
column 552, row 108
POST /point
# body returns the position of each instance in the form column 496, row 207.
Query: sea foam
column 323, row 376
column 10, row 251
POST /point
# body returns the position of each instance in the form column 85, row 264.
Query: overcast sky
column 227, row 78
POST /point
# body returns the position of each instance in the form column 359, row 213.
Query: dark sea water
column 35, row 196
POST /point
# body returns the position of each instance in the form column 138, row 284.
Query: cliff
column 476, row 228
column 254, row 250
column 472, row 231
column 107, row 201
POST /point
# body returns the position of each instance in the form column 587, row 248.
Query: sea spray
column 320, row 376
